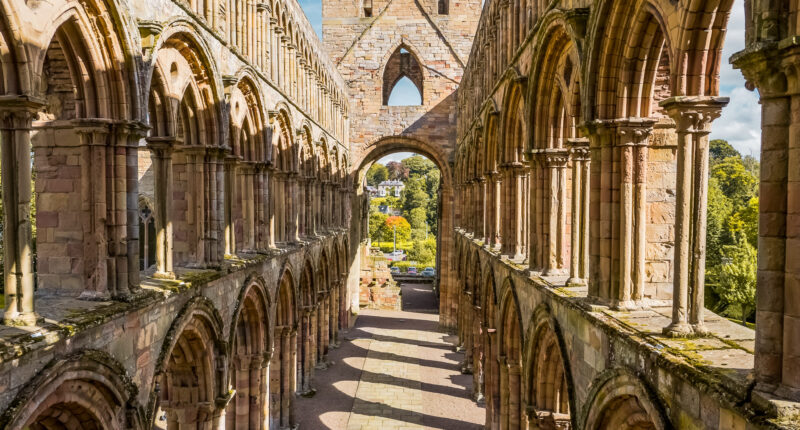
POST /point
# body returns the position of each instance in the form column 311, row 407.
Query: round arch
column 549, row 390
column 446, row 279
column 621, row 400
column 89, row 387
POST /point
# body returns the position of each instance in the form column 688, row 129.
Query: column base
column 628, row 305
column 680, row 329
column 576, row 282
column 554, row 272
column 94, row 296
column 164, row 275
column 26, row 319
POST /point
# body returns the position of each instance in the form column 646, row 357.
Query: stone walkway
column 393, row 370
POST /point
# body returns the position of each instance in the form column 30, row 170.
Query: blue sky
column 740, row 123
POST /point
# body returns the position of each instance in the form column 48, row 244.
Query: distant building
column 394, row 188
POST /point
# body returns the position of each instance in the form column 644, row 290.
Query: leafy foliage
column 737, row 277
column 732, row 231
column 376, row 174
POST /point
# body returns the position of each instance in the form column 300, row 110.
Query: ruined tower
column 374, row 44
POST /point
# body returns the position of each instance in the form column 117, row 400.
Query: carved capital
column 694, row 114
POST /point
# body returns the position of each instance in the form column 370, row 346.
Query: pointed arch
column 549, row 392
column 250, row 344
column 402, row 63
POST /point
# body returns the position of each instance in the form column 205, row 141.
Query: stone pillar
column 16, row 115
column 161, row 149
column 482, row 209
column 618, row 196
column 555, row 200
column 693, row 117
column 497, row 185
column 579, row 232
column 196, row 202
column 132, row 133
column 514, row 397
column 231, row 176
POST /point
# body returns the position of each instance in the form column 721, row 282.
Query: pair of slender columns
column 514, row 242
column 579, row 233
column 548, row 201
column 693, row 117
column 494, row 208
column 161, row 155
column 16, row 116
column 619, row 210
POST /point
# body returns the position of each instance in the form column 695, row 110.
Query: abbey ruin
column 185, row 221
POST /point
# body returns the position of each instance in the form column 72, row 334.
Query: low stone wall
column 683, row 383
column 131, row 335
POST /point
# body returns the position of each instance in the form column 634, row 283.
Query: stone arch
column 89, row 388
column 250, row 344
column 185, row 112
column 283, row 383
column 491, row 342
column 555, row 109
column 324, row 285
column 511, row 341
column 549, row 392
column 702, row 38
column 191, row 370
column 403, row 62
column 13, row 78
column 446, row 278
column 307, row 326
column 513, row 127
column 246, row 180
column 84, row 103
column 284, row 220
column 621, row 400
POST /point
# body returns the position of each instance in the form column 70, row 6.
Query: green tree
column 376, row 174
column 735, row 180
column 414, row 195
column 377, row 225
column 403, row 229
column 418, row 165
column 719, row 150
column 745, row 221
column 720, row 209
column 737, row 276
column 418, row 218
column 421, row 253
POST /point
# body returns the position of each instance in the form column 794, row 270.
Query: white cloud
column 740, row 123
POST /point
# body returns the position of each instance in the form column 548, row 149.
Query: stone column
column 579, row 233
column 161, row 149
column 555, row 160
column 134, row 132
column 94, row 182
column 196, row 201
column 618, row 211
column 272, row 221
column 693, row 117
column 497, row 185
column 16, row 116
column 231, row 163
column 514, row 390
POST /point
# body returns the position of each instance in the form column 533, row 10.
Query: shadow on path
column 420, row 365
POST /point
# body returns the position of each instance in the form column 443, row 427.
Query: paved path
column 393, row 370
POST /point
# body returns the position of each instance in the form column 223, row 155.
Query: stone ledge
column 66, row 317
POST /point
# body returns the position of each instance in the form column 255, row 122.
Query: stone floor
column 393, row 370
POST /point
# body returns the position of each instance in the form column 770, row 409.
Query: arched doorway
column 190, row 379
column 284, row 356
column 445, row 279
column 250, row 360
